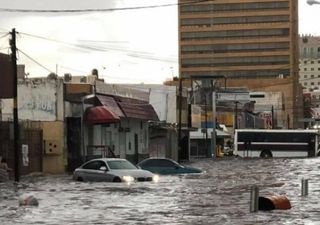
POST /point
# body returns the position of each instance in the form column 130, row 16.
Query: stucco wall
column 40, row 99
column 123, row 141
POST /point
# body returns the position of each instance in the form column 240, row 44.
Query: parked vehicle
column 112, row 170
column 165, row 166
column 267, row 143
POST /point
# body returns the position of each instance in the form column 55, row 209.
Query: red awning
column 100, row 115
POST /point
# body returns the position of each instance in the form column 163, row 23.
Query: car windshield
column 121, row 165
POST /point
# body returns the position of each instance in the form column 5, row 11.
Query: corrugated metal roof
column 143, row 111
column 129, row 107
column 111, row 104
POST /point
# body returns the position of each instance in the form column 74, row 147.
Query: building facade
column 309, row 70
column 242, row 40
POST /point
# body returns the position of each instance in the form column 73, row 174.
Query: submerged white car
column 112, row 170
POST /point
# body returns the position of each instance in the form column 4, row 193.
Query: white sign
column 25, row 157
column 233, row 97
column 195, row 116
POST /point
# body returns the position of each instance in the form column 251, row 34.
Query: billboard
column 6, row 77
column 195, row 116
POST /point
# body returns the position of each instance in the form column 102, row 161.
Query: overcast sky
column 126, row 46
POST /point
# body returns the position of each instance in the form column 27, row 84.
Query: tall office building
column 252, row 43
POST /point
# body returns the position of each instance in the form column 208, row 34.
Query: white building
column 309, row 68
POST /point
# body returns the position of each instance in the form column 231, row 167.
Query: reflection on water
column 218, row 196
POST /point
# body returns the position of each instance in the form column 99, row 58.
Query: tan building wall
column 242, row 39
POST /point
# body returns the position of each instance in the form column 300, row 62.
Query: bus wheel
column 266, row 154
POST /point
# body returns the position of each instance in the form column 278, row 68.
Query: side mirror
column 103, row 168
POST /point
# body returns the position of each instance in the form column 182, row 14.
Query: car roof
column 153, row 158
column 109, row 159
column 158, row 158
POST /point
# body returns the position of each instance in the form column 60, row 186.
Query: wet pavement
column 219, row 196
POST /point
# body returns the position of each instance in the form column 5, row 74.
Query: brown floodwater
column 221, row 195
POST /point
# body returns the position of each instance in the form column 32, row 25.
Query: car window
column 150, row 163
column 95, row 165
column 121, row 165
column 159, row 163
column 166, row 163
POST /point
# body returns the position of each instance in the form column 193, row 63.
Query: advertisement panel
column 6, row 77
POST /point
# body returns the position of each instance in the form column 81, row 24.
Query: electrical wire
column 4, row 48
column 99, row 10
column 39, row 64
column 132, row 53
column 6, row 34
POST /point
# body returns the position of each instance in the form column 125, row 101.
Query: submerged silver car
column 112, row 170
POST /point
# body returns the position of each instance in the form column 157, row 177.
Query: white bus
column 276, row 143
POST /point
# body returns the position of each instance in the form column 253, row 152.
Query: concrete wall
column 40, row 99
column 6, row 109
column 122, row 142
column 121, row 90
column 163, row 99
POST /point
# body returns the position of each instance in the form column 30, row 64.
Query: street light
column 311, row 2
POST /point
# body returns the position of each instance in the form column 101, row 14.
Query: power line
column 39, row 64
column 98, row 10
column 4, row 48
column 133, row 53
column 6, row 34
column 72, row 69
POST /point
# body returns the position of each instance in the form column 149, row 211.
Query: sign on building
column 242, row 97
column 6, row 77
column 195, row 116
column 25, row 155
column 37, row 101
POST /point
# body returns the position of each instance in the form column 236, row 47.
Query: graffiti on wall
column 37, row 103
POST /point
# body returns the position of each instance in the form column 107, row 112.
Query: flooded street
column 219, row 196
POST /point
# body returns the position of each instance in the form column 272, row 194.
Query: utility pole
column 213, row 149
column 15, row 105
column 180, row 118
column 236, row 115
column 272, row 117
column 206, row 119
